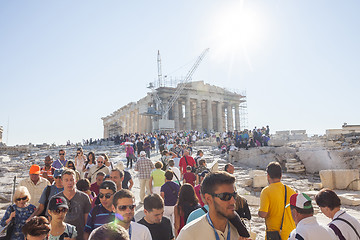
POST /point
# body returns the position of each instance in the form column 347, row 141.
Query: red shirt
column 182, row 163
column 49, row 172
column 95, row 188
column 190, row 178
column 197, row 191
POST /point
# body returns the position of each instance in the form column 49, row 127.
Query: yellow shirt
column 272, row 202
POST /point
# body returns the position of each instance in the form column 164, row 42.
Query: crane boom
column 182, row 85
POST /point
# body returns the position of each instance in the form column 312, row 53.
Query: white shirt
column 139, row 232
column 345, row 228
column 309, row 229
column 176, row 172
column 200, row 229
column 35, row 190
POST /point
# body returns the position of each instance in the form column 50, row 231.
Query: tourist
column 176, row 171
column 96, row 185
column 80, row 160
column 117, row 176
column 144, row 166
column 127, row 182
column 107, row 162
column 159, row 226
column 78, row 202
column 100, row 166
column 169, row 192
column 158, row 176
column 35, row 184
column 21, row 211
column 166, row 156
column 83, row 185
column 202, row 167
column 343, row 224
column 88, row 164
column 219, row 193
column 102, row 213
column 47, row 171
column 186, row 203
column 307, row 226
column 61, row 162
column 109, row 231
column 147, row 147
column 58, row 208
column 70, row 164
column 242, row 207
column 185, row 161
column 189, row 177
column 130, row 155
column 48, row 192
column 124, row 208
column 36, row 229
column 272, row 207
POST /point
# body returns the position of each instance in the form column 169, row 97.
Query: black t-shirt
column 127, row 178
column 161, row 231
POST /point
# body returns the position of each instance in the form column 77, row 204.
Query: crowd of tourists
column 90, row 197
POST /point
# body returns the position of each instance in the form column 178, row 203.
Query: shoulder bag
column 5, row 233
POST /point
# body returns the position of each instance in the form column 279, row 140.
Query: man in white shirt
column 307, row 226
column 124, row 208
column 218, row 191
column 100, row 166
column 344, row 225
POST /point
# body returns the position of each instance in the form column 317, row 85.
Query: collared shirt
column 200, row 229
column 98, row 216
column 35, row 190
column 309, row 229
column 59, row 164
column 341, row 228
column 144, row 166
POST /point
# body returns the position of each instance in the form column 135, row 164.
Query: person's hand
column 12, row 215
column 45, row 175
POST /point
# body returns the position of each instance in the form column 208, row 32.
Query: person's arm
column 176, row 220
column 38, row 211
column 150, row 184
column 262, row 214
column 131, row 184
column 86, row 235
column 162, row 194
column 86, row 214
column 239, row 225
column 173, row 155
column 197, row 179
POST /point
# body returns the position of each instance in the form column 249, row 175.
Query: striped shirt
column 98, row 216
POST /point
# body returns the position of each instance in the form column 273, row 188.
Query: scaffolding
column 243, row 113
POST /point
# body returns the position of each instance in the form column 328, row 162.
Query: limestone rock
column 350, row 199
column 339, row 178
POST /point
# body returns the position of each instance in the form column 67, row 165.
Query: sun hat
column 300, row 200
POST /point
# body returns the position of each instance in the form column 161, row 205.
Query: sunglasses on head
column 124, row 207
column 22, row 198
column 58, row 211
column 225, row 196
column 108, row 195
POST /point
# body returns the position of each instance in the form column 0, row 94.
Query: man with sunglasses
column 102, row 213
column 79, row 202
column 61, row 162
column 218, row 191
column 100, row 166
column 124, row 208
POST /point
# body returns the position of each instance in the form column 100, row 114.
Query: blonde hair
column 20, row 191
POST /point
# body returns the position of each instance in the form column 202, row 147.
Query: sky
column 65, row 64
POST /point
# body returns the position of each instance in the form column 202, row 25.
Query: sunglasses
column 107, row 196
column 124, row 207
column 100, row 162
column 22, row 198
column 61, row 153
column 58, row 211
column 225, row 196
column 58, row 177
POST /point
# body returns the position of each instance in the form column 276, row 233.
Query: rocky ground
column 18, row 163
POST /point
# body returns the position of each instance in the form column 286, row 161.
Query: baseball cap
column 58, row 172
column 108, row 184
column 34, row 169
column 300, row 200
column 58, row 202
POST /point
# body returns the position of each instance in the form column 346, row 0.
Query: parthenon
column 200, row 107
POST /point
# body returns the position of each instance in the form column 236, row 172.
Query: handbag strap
column 282, row 219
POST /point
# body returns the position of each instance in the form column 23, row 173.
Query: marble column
column 220, row 117
column 198, row 115
column 237, row 117
column 230, row 118
column 210, row 115
column 187, row 114
column 176, row 115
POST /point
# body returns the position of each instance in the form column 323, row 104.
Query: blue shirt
column 197, row 213
column 59, row 164
column 98, row 216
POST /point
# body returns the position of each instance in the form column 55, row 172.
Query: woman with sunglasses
column 187, row 202
column 21, row 211
column 58, row 208
column 70, row 164
column 80, row 160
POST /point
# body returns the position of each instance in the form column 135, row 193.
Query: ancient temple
column 200, row 107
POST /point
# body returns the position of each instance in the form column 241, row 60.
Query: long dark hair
column 88, row 158
column 186, row 196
